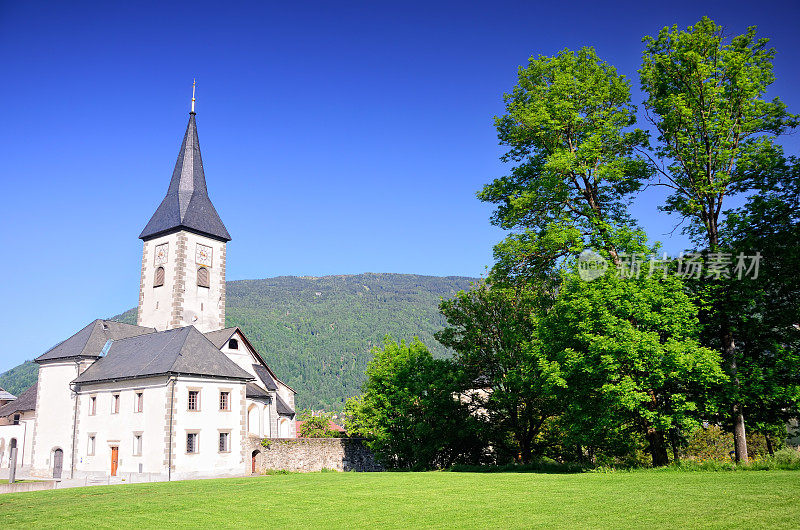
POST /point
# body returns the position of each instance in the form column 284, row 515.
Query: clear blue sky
column 337, row 137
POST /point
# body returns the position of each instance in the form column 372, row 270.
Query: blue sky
column 337, row 137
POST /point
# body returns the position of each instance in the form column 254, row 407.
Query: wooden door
column 58, row 462
column 114, row 460
column 255, row 453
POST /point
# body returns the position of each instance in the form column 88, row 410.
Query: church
column 178, row 395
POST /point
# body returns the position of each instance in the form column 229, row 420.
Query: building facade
column 176, row 396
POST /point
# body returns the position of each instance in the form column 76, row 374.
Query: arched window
column 202, row 277
column 233, row 344
column 159, row 279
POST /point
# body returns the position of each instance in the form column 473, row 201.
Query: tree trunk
column 739, row 434
column 674, row 442
column 769, row 445
column 657, row 448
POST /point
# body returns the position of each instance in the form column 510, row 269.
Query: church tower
column 183, row 260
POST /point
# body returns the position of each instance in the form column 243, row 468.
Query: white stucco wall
column 202, row 307
column 118, row 430
column 208, row 422
column 23, row 433
column 268, row 420
column 54, row 415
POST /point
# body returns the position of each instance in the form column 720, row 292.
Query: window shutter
column 202, row 277
column 159, row 280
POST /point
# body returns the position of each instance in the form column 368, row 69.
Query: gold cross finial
column 194, row 84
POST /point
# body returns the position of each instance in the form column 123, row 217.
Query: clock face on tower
column 162, row 252
column 203, row 255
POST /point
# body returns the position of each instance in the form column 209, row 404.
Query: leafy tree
column 765, row 310
column 316, row 425
column 492, row 330
column 628, row 352
column 409, row 412
column 705, row 97
column 567, row 126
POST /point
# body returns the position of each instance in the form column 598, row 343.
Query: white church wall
column 111, row 429
column 243, row 356
column 23, row 434
column 207, row 424
column 54, row 416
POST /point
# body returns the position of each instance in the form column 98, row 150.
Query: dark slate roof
column 266, row 378
column 89, row 341
column 283, row 407
column 27, row 401
column 255, row 391
column 220, row 336
column 187, row 204
column 183, row 351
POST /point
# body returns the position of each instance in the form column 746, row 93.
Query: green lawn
column 350, row 500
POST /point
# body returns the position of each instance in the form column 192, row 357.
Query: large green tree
column 765, row 310
column 568, row 126
column 410, row 413
column 627, row 349
column 493, row 332
column 705, row 96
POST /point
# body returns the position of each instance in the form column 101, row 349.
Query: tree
column 627, row 349
column 493, row 332
column 765, row 310
column 705, row 97
column 409, row 412
column 567, row 126
column 316, row 425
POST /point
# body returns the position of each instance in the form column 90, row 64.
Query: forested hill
column 317, row 332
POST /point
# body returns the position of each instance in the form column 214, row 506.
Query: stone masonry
column 312, row 454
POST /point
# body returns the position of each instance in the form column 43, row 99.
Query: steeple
column 187, row 205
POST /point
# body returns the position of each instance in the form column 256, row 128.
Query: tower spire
column 194, row 84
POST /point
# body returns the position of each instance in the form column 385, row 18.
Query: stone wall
column 312, row 454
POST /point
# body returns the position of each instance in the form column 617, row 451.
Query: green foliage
column 628, row 352
column 763, row 311
column 567, row 126
column 20, row 378
column 507, row 382
column 705, row 96
column 316, row 425
column 410, row 413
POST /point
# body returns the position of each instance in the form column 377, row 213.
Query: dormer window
column 159, row 279
column 233, row 344
column 202, row 277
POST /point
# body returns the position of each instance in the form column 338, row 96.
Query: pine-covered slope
column 317, row 333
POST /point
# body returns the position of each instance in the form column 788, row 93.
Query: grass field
column 443, row 499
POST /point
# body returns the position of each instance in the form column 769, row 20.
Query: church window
column 191, row 442
column 224, row 442
column 90, row 446
column 137, row 445
column 194, row 400
column 93, row 406
column 16, row 419
column 159, row 279
column 115, row 404
column 139, row 402
column 202, row 277
column 233, row 344
column 224, row 401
